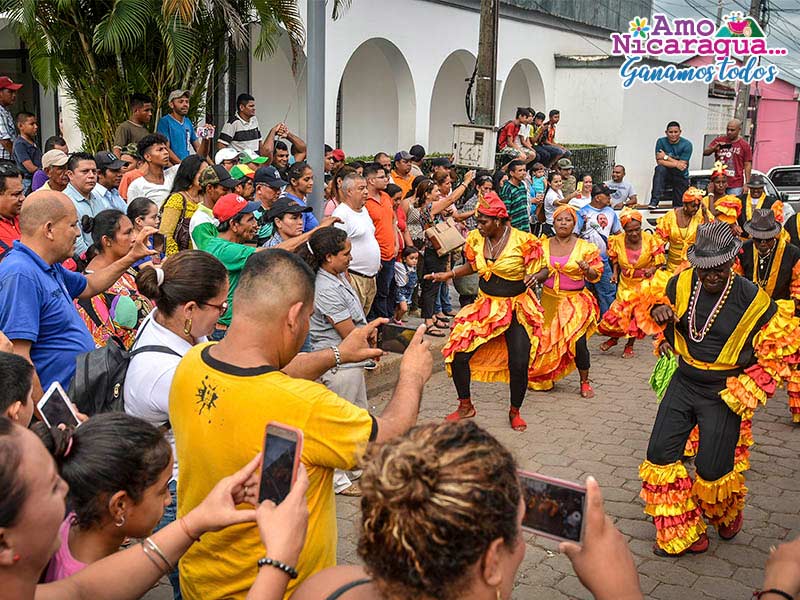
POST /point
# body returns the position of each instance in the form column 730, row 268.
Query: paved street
column 570, row 438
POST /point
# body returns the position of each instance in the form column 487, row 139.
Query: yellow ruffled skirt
column 480, row 326
column 568, row 316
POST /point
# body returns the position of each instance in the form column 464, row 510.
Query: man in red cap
column 237, row 225
column 8, row 131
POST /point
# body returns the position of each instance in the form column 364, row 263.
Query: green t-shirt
column 233, row 256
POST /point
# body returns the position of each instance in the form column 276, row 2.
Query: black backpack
column 100, row 376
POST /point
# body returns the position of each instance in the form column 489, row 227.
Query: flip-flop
column 432, row 331
column 353, row 491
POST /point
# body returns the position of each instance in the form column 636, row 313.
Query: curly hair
column 433, row 501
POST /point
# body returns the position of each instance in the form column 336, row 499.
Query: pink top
column 633, row 255
column 63, row 564
column 567, row 283
column 330, row 206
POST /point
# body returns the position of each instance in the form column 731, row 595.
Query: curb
column 384, row 377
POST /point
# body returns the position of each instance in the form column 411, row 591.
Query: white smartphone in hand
column 56, row 408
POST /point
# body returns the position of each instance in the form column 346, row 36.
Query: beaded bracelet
column 290, row 571
column 757, row 594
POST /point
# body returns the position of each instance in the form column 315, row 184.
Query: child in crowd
column 26, row 153
column 117, row 468
column 537, row 188
column 16, row 388
column 405, row 276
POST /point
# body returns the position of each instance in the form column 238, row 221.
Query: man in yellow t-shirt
column 223, row 395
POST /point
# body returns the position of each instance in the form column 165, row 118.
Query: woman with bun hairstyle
column 441, row 517
column 190, row 291
column 117, row 468
column 32, row 509
column 117, row 312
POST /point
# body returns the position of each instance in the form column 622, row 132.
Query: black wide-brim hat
column 715, row 245
column 763, row 225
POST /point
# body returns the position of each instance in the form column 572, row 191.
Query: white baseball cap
column 226, row 154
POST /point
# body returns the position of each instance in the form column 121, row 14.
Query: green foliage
column 102, row 51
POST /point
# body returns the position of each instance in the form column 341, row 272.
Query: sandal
column 465, row 410
column 354, row 491
column 628, row 352
column 608, row 344
column 450, row 313
column 586, row 390
column 517, row 422
column 432, row 331
column 440, row 323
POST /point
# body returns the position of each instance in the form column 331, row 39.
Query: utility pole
column 315, row 102
column 485, row 101
column 743, row 94
column 719, row 12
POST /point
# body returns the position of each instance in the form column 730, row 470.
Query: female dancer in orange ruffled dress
column 496, row 337
column 570, row 310
column 637, row 256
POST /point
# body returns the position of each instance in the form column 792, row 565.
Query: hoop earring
column 497, row 592
column 121, row 522
column 187, row 327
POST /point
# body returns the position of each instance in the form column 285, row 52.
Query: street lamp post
column 315, row 102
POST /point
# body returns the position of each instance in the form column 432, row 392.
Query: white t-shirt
column 620, row 192
column 157, row 192
column 578, row 202
column 361, row 233
column 524, row 132
column 149, row 377
column 550, row 199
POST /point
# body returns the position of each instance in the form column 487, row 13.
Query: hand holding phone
column 395, row 338
column 56, row 409
column 553, row 508
column 283, row 446
column 603, row 562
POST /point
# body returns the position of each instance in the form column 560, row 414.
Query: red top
column 401, row 228
column 382, row 215
column 734, row 156
column 507, row 133
column 9, row 231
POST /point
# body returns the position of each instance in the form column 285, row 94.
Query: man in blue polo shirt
column 36, row 293
column 178, row 129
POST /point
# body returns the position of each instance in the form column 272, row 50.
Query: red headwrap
column 491, row 206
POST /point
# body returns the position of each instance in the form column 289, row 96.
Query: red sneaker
column 517, row 422
column 586, row 390
column 700, row 546
column 728, row 532
column 465, row 410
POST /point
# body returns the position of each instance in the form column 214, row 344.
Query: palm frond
column 124, row 26
column 275, row 15
column 186, row 10
column 339, row 6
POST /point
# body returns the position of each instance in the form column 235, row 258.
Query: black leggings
column 582, row 354
column 518, row 345
column 432, row 263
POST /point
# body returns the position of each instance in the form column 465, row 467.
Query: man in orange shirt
column 381, row 211
column 130, row 154
column 401, row 174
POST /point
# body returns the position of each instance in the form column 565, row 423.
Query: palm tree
column 101, row 51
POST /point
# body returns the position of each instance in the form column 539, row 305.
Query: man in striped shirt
column 514, row 195
column 241, row 132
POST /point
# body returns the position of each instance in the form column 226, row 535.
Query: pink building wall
column 777, row 125
column 777, row 122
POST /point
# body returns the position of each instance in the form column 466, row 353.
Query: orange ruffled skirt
column 480, row 327
column 568, row 316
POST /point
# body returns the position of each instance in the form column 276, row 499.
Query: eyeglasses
column 220, row 307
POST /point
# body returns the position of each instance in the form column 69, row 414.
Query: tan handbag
column 445, row 237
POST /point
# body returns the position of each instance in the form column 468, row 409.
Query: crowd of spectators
column 236, row 306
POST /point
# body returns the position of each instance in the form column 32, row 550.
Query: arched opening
column 522, row 87
column 377, row 104
column 447, row 99
column 280, row 93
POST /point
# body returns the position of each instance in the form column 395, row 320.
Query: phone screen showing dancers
column 553, row 508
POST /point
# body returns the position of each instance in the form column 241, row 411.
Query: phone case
column 61, row 397
column 553, row 505
column 298, row 450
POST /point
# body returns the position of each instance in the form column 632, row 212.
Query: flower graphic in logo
column 639, row 27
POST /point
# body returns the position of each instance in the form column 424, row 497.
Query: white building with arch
column 397, row 74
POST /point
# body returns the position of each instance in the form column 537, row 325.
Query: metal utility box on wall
column 474, row 146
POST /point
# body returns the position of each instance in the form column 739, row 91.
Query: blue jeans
column 170, row 513
column 664, row 176
column 604, row 290
column 443, row 304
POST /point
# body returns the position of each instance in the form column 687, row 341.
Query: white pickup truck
column 700, row 179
